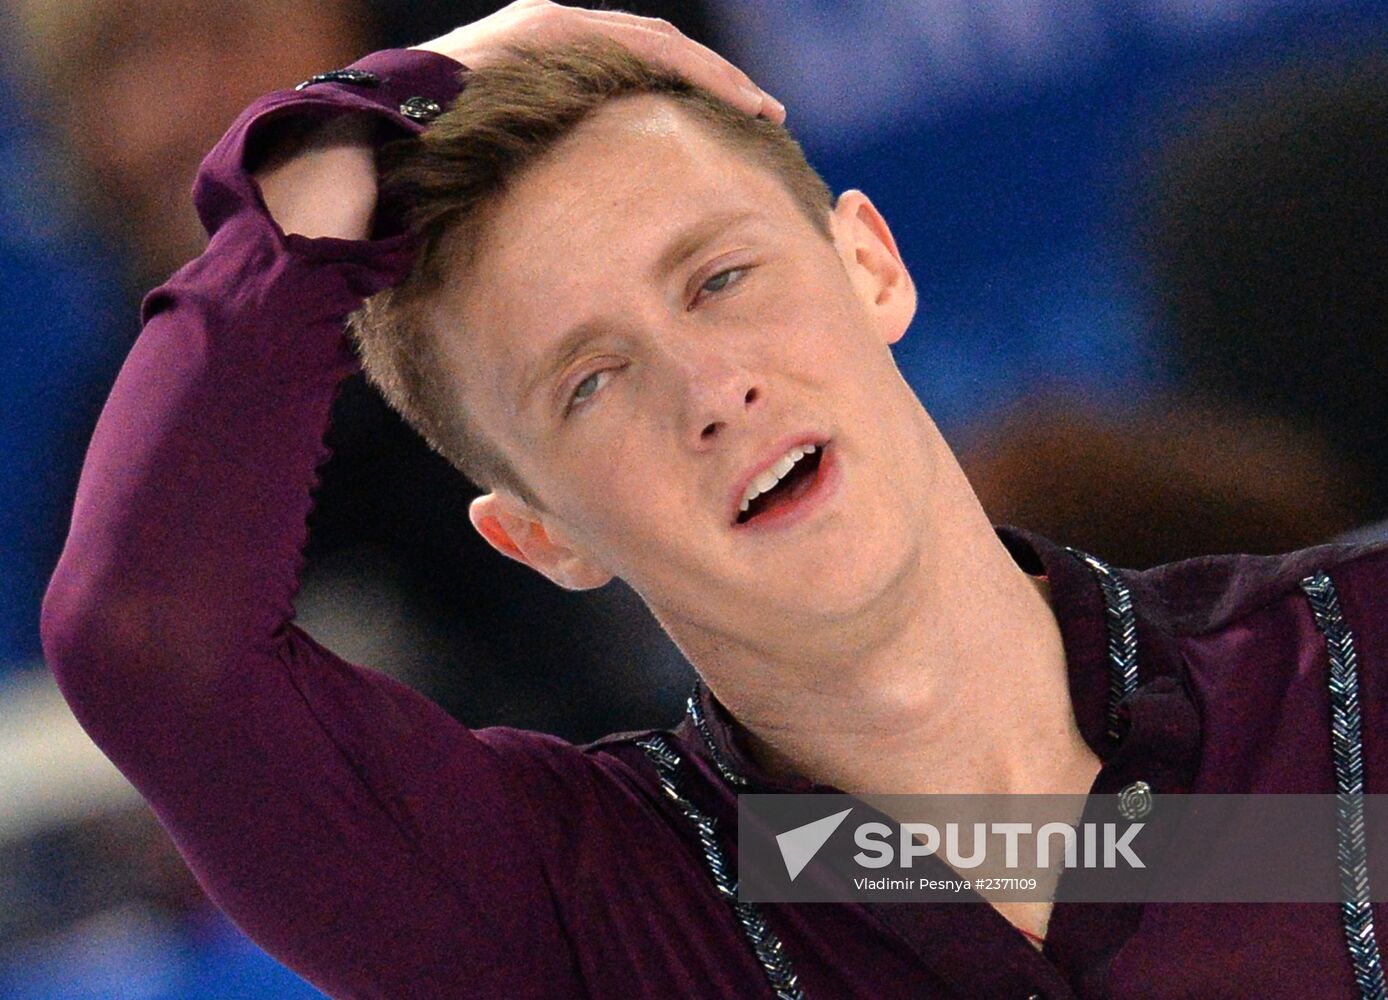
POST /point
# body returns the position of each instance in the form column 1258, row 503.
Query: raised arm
column 168, row 619
column 345, row 822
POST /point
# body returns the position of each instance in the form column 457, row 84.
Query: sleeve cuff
column 405, row 87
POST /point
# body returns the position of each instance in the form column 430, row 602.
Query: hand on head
column 540, row 22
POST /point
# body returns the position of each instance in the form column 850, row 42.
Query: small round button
column 421, row 109
column 1135, row 801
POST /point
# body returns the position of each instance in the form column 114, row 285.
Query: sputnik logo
column 800, row 845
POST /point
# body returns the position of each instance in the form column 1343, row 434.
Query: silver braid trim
column 1347, row 750
column 725, row 768
column 1122, row 636
column 765, row 943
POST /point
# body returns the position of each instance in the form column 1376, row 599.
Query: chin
column 845, row 590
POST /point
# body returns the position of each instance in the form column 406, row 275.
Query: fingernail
column 780, row 108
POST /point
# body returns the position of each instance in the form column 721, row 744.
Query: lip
column 769, row 458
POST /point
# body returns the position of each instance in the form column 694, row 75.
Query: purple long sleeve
column 304, row 791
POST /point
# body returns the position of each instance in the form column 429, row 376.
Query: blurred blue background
column 1149, row 243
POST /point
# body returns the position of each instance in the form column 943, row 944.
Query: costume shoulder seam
column 1201, row 595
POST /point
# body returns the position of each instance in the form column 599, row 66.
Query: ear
column 874, row 264
column 516, row 530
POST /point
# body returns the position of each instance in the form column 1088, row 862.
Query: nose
column 718, row 394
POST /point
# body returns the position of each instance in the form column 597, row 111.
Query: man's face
column 650, row 322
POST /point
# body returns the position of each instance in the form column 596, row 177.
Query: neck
column 961, row 687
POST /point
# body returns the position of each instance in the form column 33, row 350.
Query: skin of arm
column 324, row 184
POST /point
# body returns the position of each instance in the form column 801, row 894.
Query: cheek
column 814, row 315
column 616, row 487
column 643, row 518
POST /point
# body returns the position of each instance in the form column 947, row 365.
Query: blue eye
column 719, row 281
column 579, row 395
column 588, row 388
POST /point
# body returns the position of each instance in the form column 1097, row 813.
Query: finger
column 678, row 40
column 678, row 54
column 662, row 43
column 666, row 45
column 663, row 27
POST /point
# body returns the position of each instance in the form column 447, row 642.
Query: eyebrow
column 690, row 240
column 684, row 245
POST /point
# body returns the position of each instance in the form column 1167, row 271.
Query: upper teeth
column 775, row 473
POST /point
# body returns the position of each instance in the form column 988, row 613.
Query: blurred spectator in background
column 159, row 83
column 1268, row 239
column 1264, row 227
column 1165, row 482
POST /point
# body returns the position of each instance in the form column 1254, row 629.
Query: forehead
column 577, row 234
column 620, row 183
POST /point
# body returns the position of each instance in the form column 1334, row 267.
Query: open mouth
column 792, row 486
